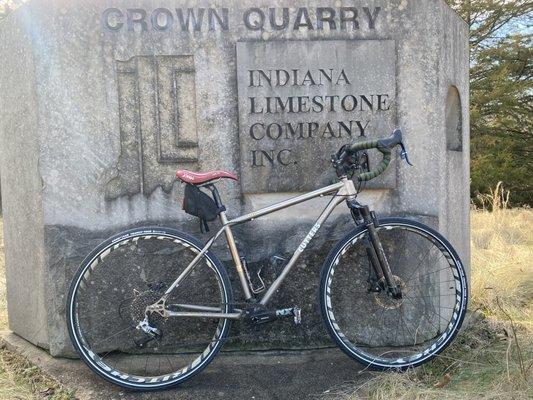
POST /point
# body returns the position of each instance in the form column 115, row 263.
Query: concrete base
column 233, row 375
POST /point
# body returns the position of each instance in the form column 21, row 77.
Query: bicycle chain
column 243, row 305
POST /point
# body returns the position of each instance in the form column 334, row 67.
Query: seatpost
column 216, row 197
column 231, row 241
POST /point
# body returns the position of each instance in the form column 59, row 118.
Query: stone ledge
column 233, row 375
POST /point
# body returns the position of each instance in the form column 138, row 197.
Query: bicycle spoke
column 416, row 269
column 111, row 336
column 425, row 316
column 428, row 298
column 426, row 278
column 167, row 346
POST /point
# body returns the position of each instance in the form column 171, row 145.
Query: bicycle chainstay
column 251, row 308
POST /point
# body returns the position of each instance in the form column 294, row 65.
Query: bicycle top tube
column 287, row 203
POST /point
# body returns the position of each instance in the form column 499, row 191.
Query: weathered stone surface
column 21, row 187
column 273, row 375
column 101, row 101
column 300, row 102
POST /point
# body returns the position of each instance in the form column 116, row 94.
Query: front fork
column 374, row 249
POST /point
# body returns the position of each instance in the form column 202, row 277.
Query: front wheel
column 107, row 303
column 376, row 329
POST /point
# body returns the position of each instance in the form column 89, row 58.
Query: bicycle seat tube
column 235, row 255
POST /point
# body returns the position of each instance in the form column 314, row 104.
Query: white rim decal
column 459, row 309
column 138, row 381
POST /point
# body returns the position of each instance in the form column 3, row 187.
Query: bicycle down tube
column 343, row 189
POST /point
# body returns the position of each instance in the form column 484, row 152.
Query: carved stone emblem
column 157, row 119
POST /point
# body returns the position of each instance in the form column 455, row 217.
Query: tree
column 501, row 95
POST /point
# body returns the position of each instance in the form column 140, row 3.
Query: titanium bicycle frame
column 344, row 190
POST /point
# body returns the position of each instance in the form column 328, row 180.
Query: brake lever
column 403, row 154
column 336, row 158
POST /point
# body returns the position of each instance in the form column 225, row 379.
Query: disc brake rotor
column 383, row 300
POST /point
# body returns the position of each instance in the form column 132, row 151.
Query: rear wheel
column 108, row 299
column 378, row 330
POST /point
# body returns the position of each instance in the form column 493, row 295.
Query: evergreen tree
column 501, row 94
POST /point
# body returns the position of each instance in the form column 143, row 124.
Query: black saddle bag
column 200, row 204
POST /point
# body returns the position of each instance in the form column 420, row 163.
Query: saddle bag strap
column 204, row 226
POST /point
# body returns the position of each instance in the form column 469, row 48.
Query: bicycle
column 137, row 297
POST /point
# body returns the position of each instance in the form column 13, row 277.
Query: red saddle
column 196, row 178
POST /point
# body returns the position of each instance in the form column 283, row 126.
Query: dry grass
column 482, row 363
column 492, row 358
column 3, row 300
column 19, row 379
column 502, row 263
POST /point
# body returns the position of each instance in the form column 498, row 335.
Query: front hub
column 389, row 299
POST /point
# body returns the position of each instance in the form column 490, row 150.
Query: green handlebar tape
column 372, row 144
column 378, row 170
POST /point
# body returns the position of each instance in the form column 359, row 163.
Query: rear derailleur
column 151, row 333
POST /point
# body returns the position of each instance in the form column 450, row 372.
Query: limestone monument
column 101, row 101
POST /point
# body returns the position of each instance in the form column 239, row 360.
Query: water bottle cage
column 255, row 288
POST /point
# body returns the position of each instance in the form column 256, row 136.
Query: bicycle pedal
column 297, row 315
column 296, row 312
